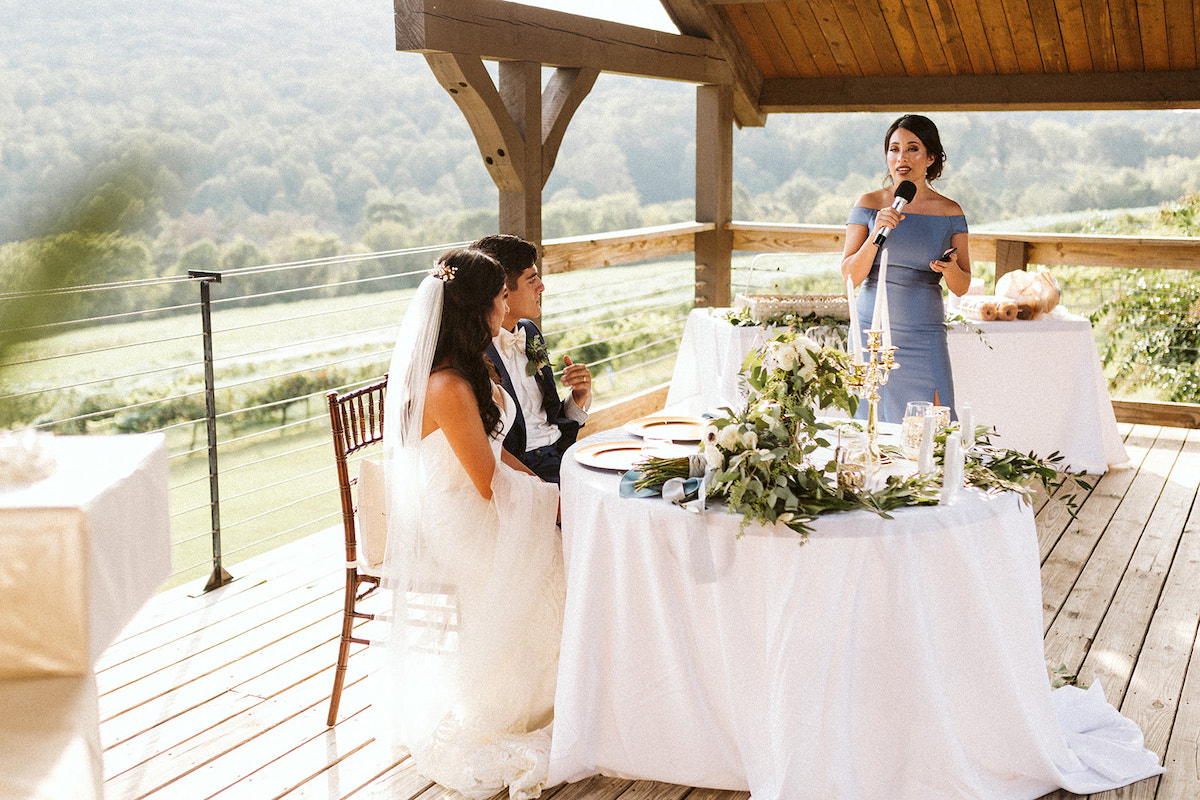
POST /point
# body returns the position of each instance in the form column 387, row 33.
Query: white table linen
column 1039, row 382
column 883, row 658
column 82, row 549
column 50, row 739
column 1041, row 385
column 80, row 553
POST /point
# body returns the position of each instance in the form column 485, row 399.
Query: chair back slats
column 359, row 414
column 356, row 422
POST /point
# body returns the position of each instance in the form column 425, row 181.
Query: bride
column 474, row 560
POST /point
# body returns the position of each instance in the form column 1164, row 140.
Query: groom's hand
column 579, row 379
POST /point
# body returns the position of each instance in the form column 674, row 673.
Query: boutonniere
column 538, row 355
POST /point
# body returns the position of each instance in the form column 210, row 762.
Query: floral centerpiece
column 771, row 462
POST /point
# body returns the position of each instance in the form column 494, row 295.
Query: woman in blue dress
column 929, row 225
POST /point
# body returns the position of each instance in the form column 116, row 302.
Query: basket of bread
column 1020, row 295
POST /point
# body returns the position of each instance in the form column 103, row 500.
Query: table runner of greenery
column 769, row 460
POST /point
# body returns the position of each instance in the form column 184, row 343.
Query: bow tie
column 512, row 343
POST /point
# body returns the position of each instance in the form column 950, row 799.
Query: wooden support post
column 714, row 194
column 1010, row 256
column 521, row 91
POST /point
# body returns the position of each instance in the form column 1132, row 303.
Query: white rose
column 808, row 365
column 804, row 343
column 750, row 440
column 713, row 457
column 728, row 437
column 785, row 356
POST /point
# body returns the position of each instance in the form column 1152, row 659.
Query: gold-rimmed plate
column 676, row 429
column 619, row 456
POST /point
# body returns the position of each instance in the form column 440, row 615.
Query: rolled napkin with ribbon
column 679, row 489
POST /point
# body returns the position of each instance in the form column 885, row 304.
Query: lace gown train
column 475, row 636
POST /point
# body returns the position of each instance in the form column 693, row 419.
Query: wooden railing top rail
column 1050, row 249
column 620, row 247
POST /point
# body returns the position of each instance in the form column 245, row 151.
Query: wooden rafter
column 1064, row 91
column 497, row 30
column 700, row 19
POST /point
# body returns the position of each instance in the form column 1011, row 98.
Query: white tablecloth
column 86, row 547
column 80, row 553
column 897, row 659
column 1040, row 383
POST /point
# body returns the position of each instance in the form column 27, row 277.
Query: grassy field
column 276, row 475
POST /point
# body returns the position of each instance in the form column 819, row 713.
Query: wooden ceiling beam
column 1113, row 91
column 502, row 31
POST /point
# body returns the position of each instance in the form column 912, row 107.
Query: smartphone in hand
column 946, row 255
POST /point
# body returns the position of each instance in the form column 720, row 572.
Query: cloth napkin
column 688, row 492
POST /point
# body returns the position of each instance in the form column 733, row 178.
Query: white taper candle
column 854, row 342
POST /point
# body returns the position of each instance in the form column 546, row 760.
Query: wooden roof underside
column 857, row 55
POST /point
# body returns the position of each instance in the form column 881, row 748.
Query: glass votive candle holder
column 913, row 426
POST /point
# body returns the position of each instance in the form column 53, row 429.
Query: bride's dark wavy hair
column 473, row 279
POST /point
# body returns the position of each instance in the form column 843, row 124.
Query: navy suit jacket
column 514, row 441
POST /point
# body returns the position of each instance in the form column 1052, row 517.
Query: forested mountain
column 257, row 130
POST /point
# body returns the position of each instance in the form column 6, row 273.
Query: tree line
column 253, row 132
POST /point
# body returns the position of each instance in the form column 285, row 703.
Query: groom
column 545, row 425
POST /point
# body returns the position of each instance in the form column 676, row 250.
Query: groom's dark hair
column 514, row 254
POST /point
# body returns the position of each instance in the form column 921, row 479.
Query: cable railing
column 256, row 470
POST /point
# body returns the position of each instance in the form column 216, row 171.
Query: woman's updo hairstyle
column 472, row 282
column 924, row 129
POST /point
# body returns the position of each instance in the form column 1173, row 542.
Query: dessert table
column 894, row 658
column 80, row 552
column 1039, row 383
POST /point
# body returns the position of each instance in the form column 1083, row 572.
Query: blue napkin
column 691, row 487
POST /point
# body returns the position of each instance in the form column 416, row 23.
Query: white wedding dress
column 472, row 659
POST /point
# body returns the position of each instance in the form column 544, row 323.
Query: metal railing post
column 219, row 576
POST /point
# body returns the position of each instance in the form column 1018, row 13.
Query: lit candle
column 855, row 340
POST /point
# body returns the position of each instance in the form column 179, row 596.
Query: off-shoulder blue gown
column 918, row 317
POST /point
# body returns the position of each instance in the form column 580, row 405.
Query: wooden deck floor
column 225, row 695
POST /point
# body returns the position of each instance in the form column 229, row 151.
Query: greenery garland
column 764, row 461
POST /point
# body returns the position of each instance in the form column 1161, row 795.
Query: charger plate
column 619, row 456
column 677, row 429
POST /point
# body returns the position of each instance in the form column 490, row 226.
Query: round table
column 898, row 658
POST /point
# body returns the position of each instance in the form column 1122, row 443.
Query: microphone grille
column 907, row 190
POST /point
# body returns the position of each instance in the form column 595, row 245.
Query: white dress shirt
column 539, row 431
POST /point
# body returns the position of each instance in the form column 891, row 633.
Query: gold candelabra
column 866, row 378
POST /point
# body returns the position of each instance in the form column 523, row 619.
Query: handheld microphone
column 905, row 192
